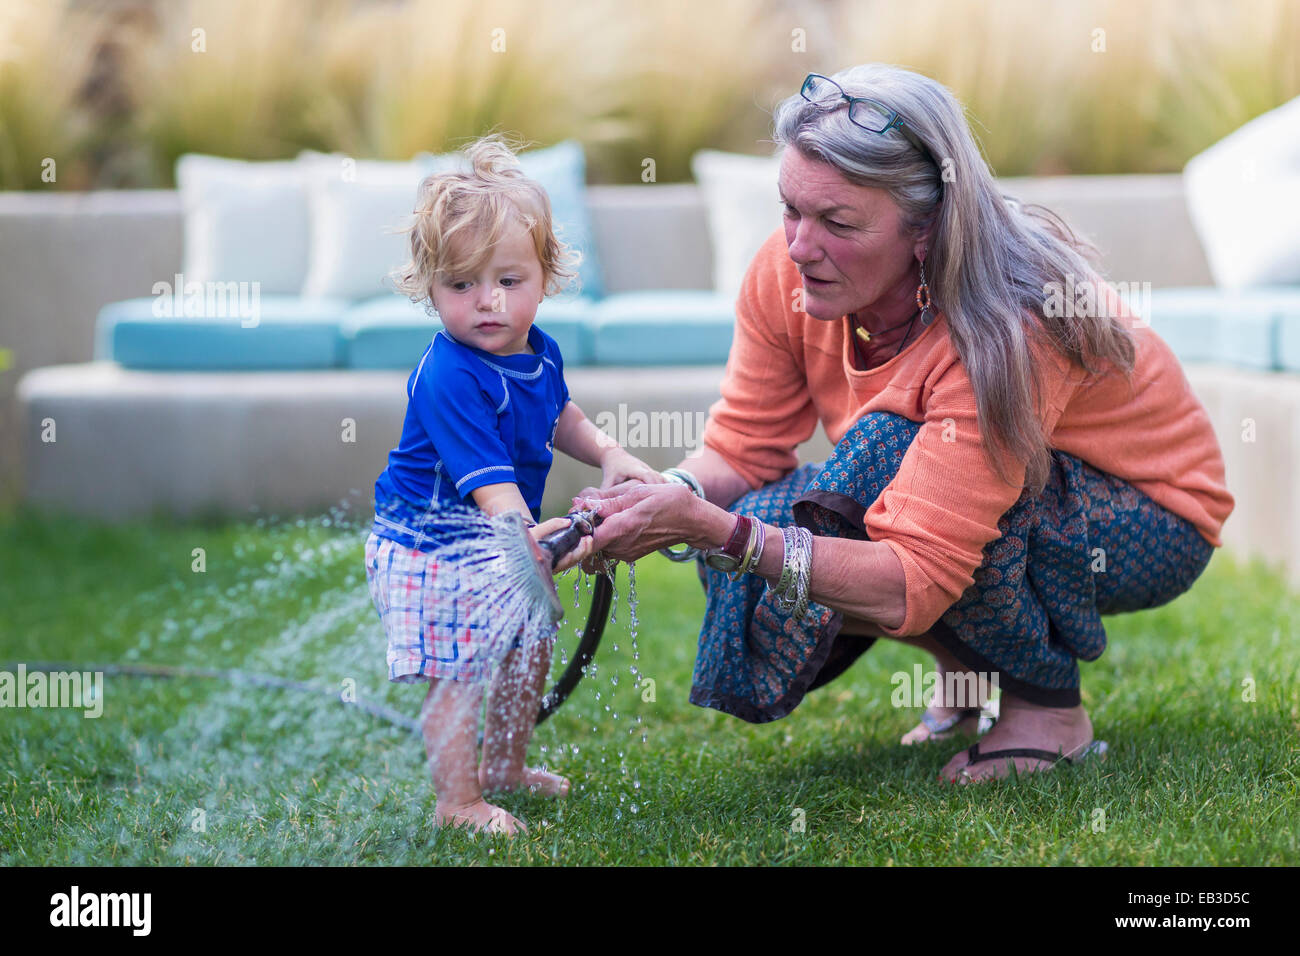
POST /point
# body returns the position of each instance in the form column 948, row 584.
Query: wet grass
column 205, row 772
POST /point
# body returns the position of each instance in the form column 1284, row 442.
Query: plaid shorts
column 429, row 634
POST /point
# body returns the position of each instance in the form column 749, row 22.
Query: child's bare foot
column 478, row 816
column 952, row 714
column 541, row 782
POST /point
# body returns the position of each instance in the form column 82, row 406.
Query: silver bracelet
column 782, row 587
column 805, row 575
column 683, row 477
column 792, row 589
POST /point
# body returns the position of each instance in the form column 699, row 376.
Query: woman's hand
column 642, row 518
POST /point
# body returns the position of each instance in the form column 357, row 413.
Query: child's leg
column 514, row 697
column 449, row 722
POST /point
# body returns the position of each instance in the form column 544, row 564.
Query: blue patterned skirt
column 1089, row 544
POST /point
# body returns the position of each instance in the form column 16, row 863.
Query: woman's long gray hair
column 990, row 260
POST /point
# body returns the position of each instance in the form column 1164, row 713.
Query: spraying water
column 293, row 604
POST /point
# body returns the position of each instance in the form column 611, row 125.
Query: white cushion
column 743, row 208
column 1242, row 193
column 358, row 211
column 244, row 221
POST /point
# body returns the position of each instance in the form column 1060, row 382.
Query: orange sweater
column 787, row 371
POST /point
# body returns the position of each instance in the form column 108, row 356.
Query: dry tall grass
column 1047, row 92
column 39, row 119
column 659, row 80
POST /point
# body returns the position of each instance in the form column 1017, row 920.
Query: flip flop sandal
column 1098, row 749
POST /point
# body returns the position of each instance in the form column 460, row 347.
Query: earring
column 923, row 297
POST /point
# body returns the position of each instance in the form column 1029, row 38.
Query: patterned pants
column 1089, row 544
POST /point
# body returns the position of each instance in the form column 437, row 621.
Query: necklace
column 866, row 336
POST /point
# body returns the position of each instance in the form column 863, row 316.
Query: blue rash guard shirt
column 472, row 419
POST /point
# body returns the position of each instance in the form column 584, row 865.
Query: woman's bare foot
column 943, row 709
column 1064, row 730
column 479, row 816
column 535, row 780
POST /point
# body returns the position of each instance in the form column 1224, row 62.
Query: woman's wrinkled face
column 845, row 240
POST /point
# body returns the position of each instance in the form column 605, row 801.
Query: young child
column 487, row 406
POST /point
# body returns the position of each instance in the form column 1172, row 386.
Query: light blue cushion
column 1284, row 301
column 676, row 327
column 390, row 331
column 562, row 171
column 285, row 332
column 1218, row 325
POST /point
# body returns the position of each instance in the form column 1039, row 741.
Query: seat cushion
column 741, row 197
column 266, row 332
column 359, row 221
column 391, row 332
column 1284, row 301
column 1221, row 325
column 681, row 327
column 1237, row 194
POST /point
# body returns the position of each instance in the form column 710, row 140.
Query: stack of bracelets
column 796, row 570
column 743, row 550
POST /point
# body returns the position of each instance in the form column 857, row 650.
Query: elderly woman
column 1008, row 466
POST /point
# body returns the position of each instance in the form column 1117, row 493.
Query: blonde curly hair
column 460, row 216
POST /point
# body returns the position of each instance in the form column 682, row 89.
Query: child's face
column 494, row 310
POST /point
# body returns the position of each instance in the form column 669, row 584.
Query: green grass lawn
column 1196, row 775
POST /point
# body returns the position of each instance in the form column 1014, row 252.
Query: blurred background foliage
column 114, row 90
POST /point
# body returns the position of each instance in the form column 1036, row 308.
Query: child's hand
column 577, row 555
column 618, row 466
